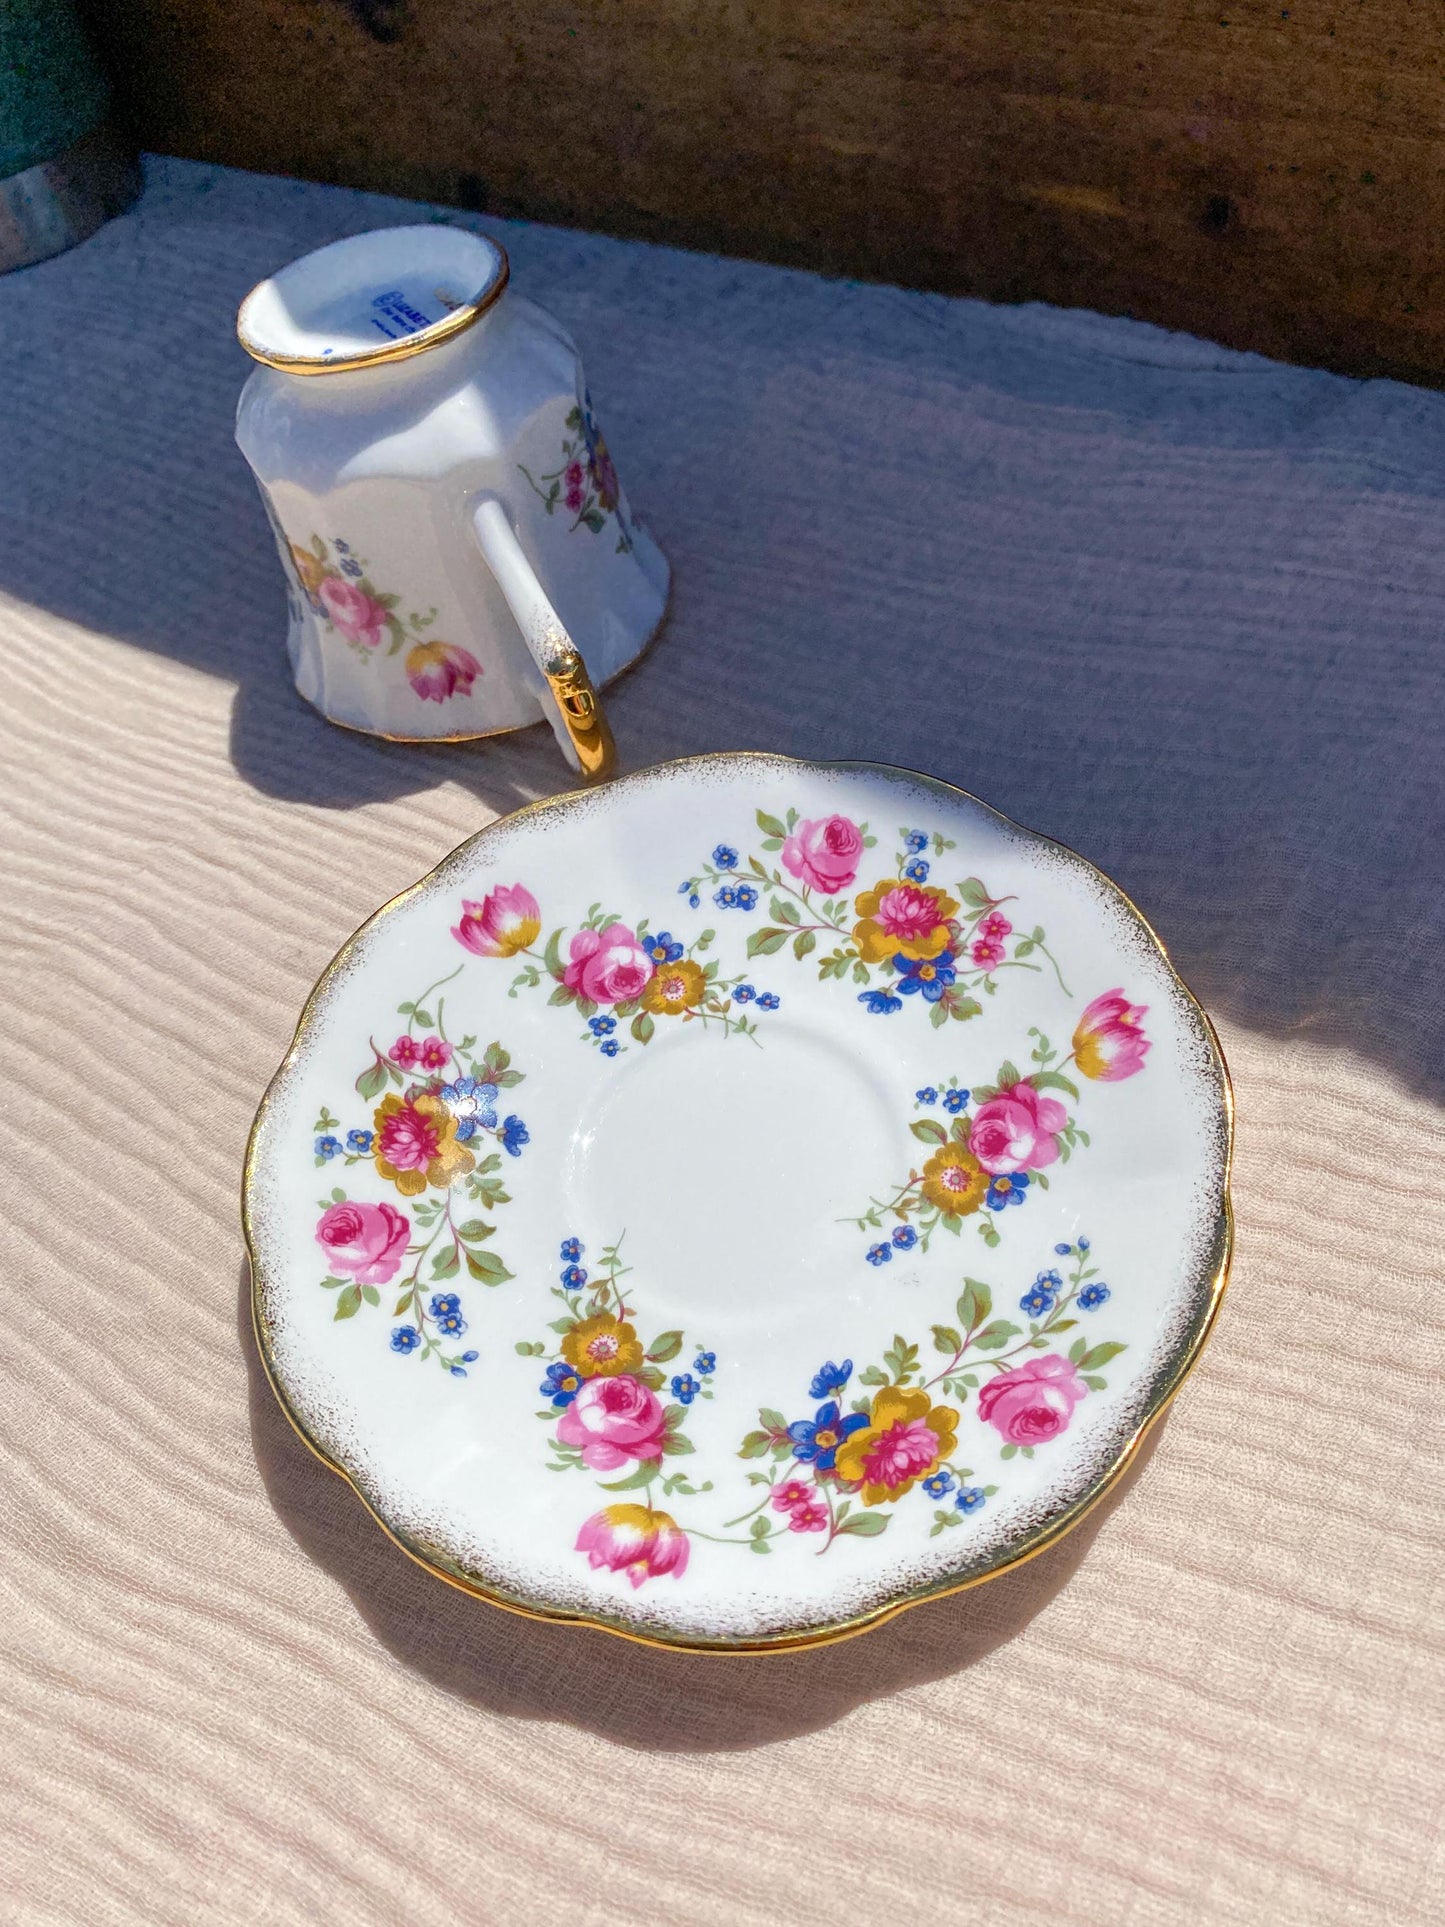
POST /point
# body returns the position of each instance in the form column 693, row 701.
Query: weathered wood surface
column 1273, row 177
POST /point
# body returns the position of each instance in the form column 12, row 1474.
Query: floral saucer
column 733, row 1205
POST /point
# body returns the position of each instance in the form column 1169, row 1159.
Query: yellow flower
column 311, row 571
column 416, row 1144
column 955, row 1181
column 601, row 1347
column 902, row 919
column 676, row 987
column 906, row 1436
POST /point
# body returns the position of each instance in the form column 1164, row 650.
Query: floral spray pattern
column 905, row 939
column 840, row 1472
column 342, row 594
column 584, row 483
column 428, row 1139
column 1003, row 1136
column 603, row 1390
column 613, row 973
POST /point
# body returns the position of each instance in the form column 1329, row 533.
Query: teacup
column 460, row 555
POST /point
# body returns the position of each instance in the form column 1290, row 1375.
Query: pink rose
column 635, row 1540
column 825, row 852
column 612, row 1420
column 1015, row 1131
column 609, row 966
column 437, row 670
column 1110, row 1043
column 364, row 1241
column 1034, row 1402
column 507, row 919
column 358, row 616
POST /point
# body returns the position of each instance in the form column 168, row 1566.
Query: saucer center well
column 728, row 1165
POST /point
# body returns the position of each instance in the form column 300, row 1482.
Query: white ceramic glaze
column 441, row 513
column 989, row 1211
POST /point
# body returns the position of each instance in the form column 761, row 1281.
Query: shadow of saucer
column 635, row 1695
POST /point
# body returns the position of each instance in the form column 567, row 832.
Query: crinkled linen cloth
column 1179, row 607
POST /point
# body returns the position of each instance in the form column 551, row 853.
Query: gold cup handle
column 574, row 709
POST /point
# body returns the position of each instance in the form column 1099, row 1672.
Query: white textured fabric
column 1178, row 607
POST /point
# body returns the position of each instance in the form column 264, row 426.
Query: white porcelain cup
column 460, row 555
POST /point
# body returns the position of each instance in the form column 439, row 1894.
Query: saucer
column 736, row 1204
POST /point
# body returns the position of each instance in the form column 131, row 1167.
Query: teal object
column 63, row 169
column 52, row 90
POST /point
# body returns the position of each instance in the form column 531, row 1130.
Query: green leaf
column 372, row 1082
column 349, row 1302
column 805, row 941
column 938, row 1016
column 769, row 825
column 754, row 1445
column 1095, row 1383
column 1077, row 1350
column 989, row 1234
column 634, row 1481
column 784, row 911
column 371, row 1294
column 332, row 1284
column 425, row 1019
column 401, row 1305
column 643, row 1027
column 1053, row 1081
column 928, row 1130
column 866, row 1524
column 873, row 1376
column 475, row 1229
column 1098, row 1355
column 552, row 955
column 562, row 995
column 1008, row 1452
column 774, row 1421
column 994, row 1337
column 487, row 1268
column 975, row 1304
column 651, row 1377
column 974, row 894
column 667, row 1345
column 530, row 1348
column 762, row 943
column 447, row 1263
column 1008, row 1076
column 962, row 1008
column 946, row 1339
column 677, row 1442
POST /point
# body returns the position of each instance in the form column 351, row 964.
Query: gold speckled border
column 1220, row 1256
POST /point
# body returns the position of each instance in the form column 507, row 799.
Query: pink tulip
column 1109, row 1043
column 437, row 670
column 507, row 919
column 634, row 1540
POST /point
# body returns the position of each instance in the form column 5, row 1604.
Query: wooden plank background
column 1268, row 175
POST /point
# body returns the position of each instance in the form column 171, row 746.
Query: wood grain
column 1177, row 607
column 1269, row 176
